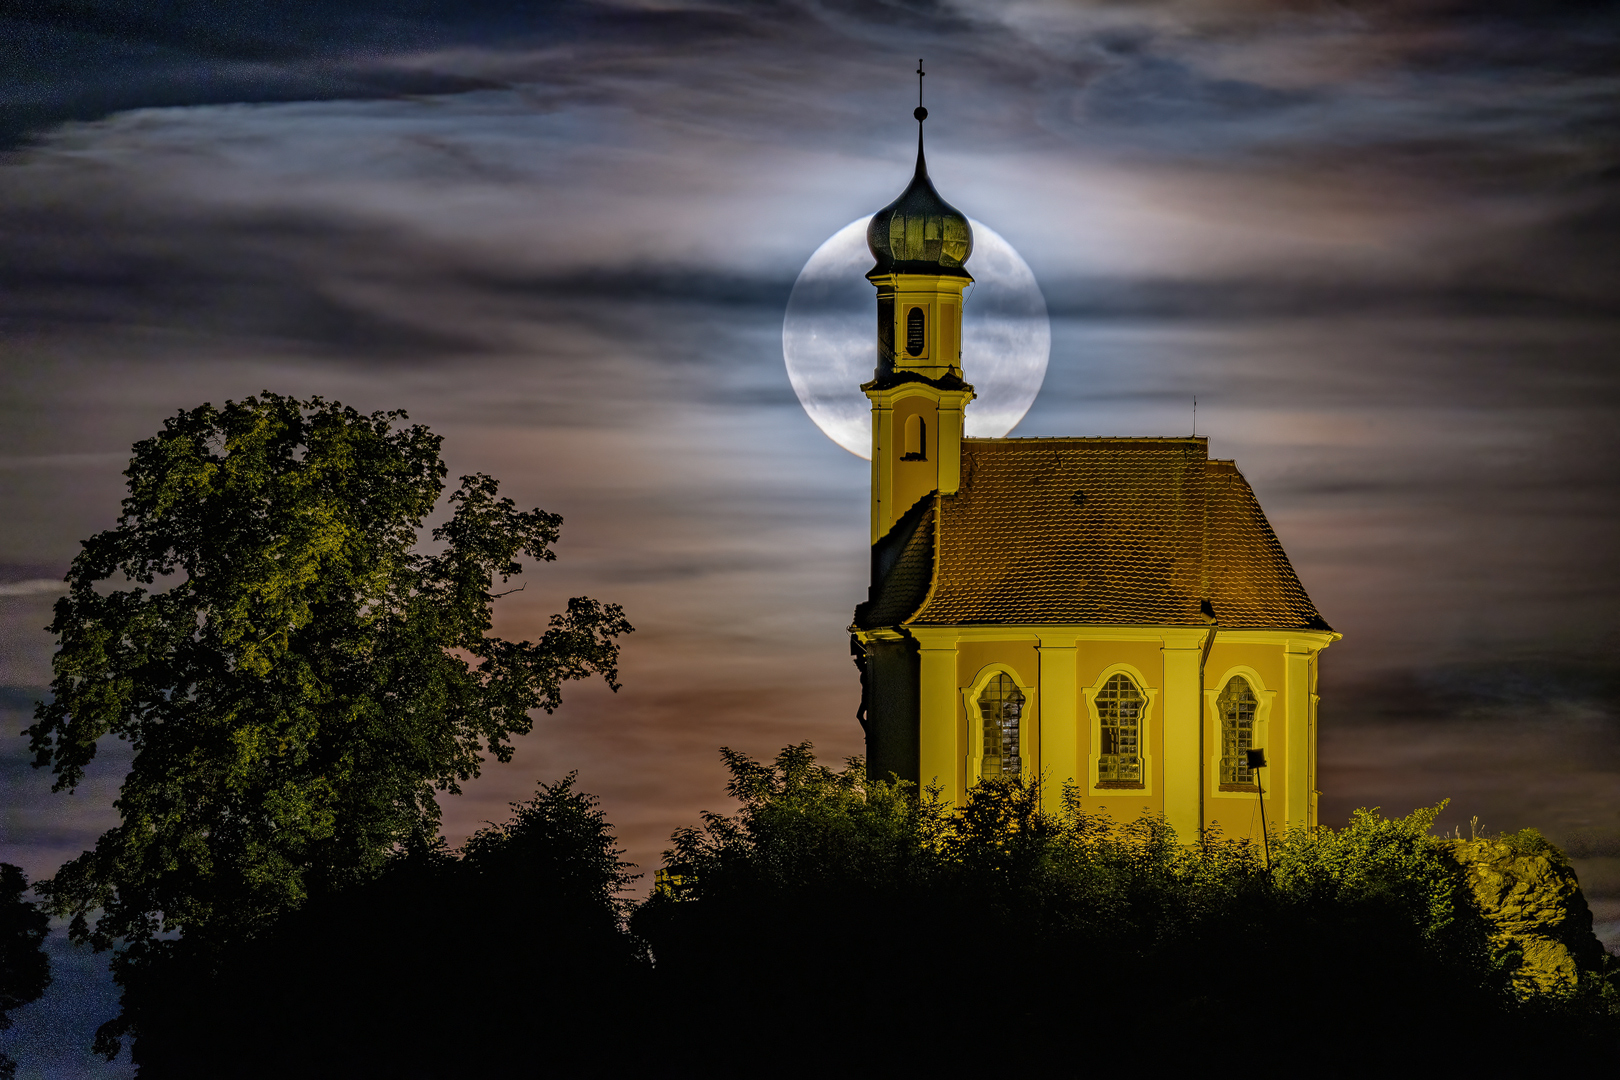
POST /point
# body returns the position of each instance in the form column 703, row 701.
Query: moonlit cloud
column 1376, row 240
column 32, row 587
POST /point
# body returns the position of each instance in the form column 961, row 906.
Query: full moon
column 829, row 337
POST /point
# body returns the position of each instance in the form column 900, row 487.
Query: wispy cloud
column 1376, row 239
column 32, row 587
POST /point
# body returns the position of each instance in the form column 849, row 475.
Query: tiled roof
column 902, row 568
column 1094, row 531
column 1251, row 581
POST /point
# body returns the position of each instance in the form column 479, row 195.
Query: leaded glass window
column 1119, row 708
column 1001, row 707
column 1236, row 707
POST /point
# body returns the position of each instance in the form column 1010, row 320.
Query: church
column 1112, row 612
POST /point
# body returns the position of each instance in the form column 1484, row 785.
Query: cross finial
column 920, row 113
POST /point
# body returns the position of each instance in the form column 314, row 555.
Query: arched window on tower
column 1119, row 709
column 1001, row 708
column 914, row 331
column 916, row 443
column 1236, row 707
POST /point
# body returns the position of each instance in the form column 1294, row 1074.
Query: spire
column 921, row 114
column 920, row 233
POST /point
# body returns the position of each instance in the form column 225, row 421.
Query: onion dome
column 920, row 233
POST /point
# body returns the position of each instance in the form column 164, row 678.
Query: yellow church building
column 1116, row 612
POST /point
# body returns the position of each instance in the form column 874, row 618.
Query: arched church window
column 1001, row 707
column 914, row 331
column 1119, row 708
column 1236, row 707
column 916, row 439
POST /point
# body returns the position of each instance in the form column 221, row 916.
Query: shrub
column 837, row 918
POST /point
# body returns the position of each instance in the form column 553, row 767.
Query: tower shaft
column 918, row 395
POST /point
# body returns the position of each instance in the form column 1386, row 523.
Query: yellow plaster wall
column 973, row 657
column 1285, row 673
column 1315, row 793
column 1274, row 778
column 1267, row 660
column 1237, row 813
column 941, row 301
column 1092, row 658
column 913, row 479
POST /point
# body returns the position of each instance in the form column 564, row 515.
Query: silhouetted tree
column 295, row 674
column 25, row 970
column 509, row 957
column 842, row 919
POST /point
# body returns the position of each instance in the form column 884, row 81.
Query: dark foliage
column 838, row 919
column 835, row 923
column 295, row 674
column 25, row 970
column 508, row 958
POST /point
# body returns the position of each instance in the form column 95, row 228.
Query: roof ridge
column 1085, row 438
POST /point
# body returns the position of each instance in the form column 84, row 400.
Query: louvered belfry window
column 914, row 331
column 1236, row 707
column 1119, row 708
column 1001, row 707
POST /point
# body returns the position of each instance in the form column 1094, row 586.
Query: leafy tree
column 25, row 970
column 802, row 824
column 296, row 674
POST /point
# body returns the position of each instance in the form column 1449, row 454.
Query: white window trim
column 1090, row 693
column 1262, row 731
column 1026, row 726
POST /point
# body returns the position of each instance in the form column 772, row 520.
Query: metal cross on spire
column 921, row 113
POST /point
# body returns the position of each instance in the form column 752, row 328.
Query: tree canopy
column 832, row 919
column 296, row 671
column 862, row 920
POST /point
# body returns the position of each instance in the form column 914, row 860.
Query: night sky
column 1377, row 240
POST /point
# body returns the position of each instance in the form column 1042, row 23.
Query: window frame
column 1096, row 786
column 1028, row 747
column 1214, row 738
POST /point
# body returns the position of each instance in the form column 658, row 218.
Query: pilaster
column 951, row 407
column 1060, row 716
column 941, row 749
column 882, row 465
column 1312, row 818
column 1182, row 712
column 1296, row 800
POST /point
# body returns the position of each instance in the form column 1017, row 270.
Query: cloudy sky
column 1377, row 240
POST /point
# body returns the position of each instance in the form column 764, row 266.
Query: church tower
column 921, row 243
column 1111, row 615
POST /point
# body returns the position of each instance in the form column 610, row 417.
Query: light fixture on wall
column 1257, row 761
